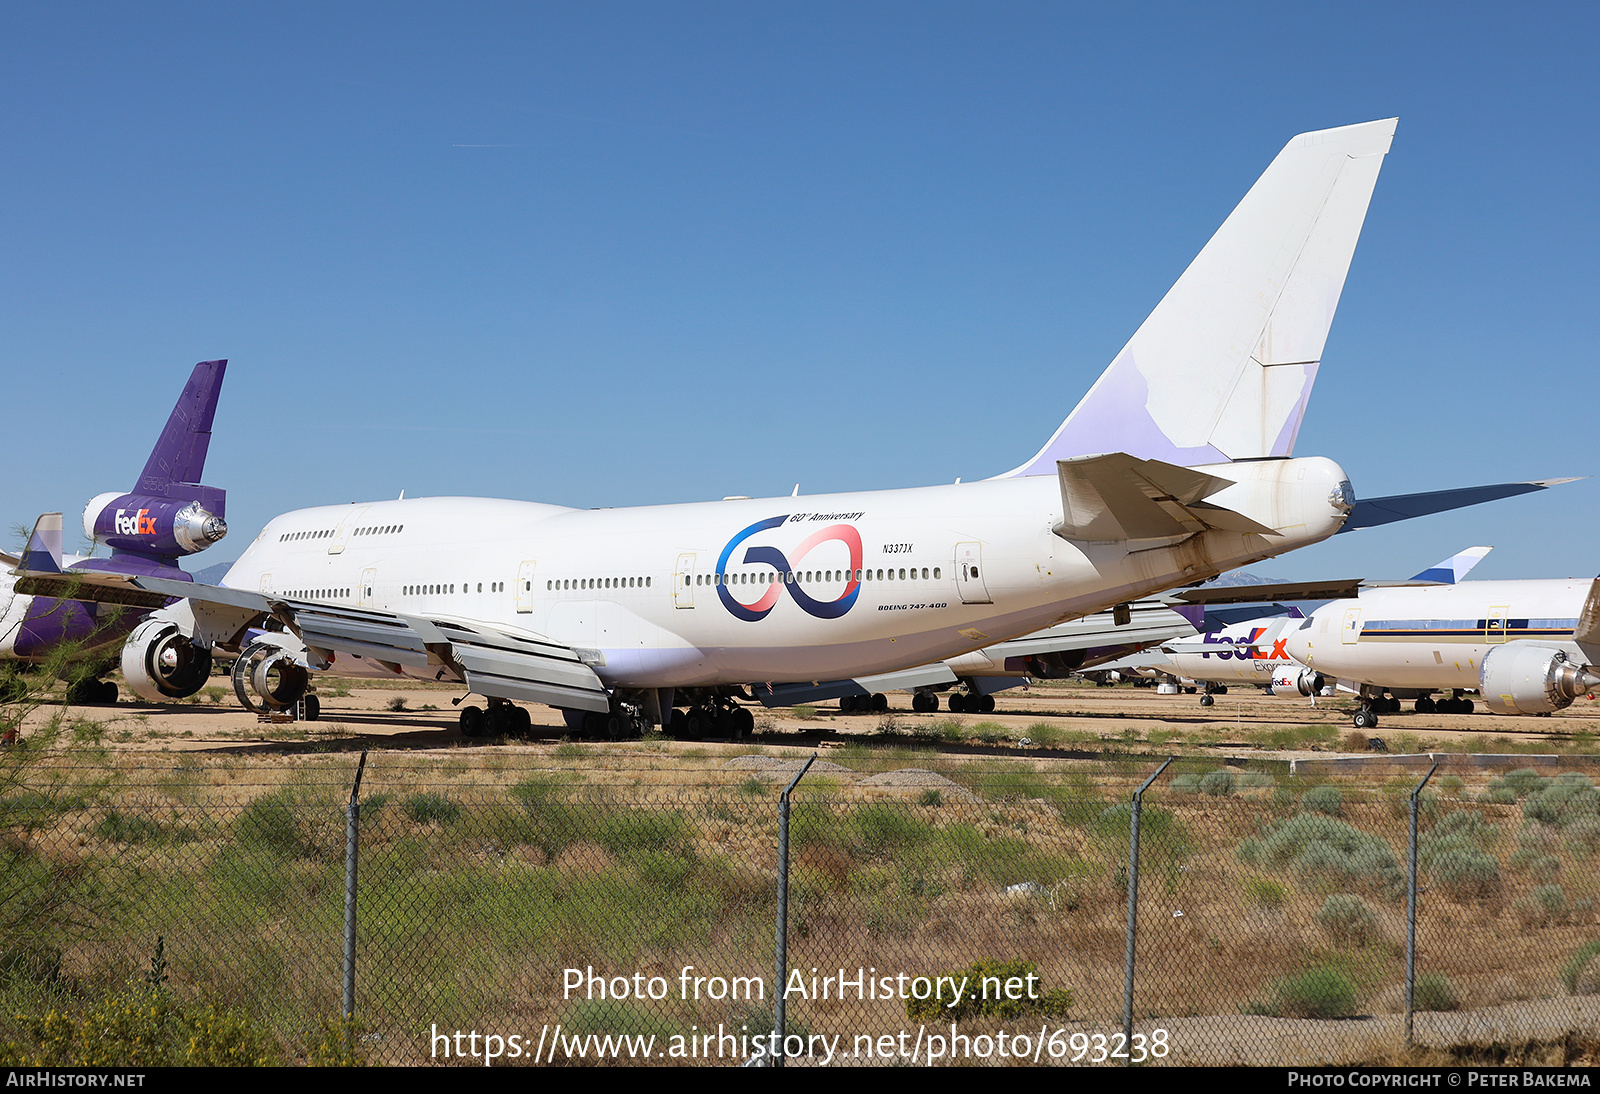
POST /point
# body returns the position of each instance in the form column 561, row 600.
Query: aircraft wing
column 1341, row 589
column 504, row 663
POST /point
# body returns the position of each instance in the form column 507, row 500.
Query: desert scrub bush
column 1266, row 892
column 1452, row 854
column 1161, row 833
column 1218, row 784
column 1452, row 785
column 144, row 1026
column 1436, row 992
column 1318, row 992
column 1547, row 904
column 1582, row 973
column 1583, row 836
column 397, row 703
column 1521, row 782
column 1187, row 783
column 643, row 829
column 1348, row 920
column 1325, row 799
column 1535, row 863
column 428, row 808
column 1323, row 849
column 993, row 989
column 1565, row 800
column 1256, row 780
column 274, row 824
column 616, row 1016
column 1045, row 734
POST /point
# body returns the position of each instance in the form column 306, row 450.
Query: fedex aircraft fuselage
column 1438, row 637
column 772, row 590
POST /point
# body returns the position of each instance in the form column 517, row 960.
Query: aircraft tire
column 1206, row 699
column 880, row 703
column 1364, row 719
column 521, row 722
column 313, row 707
column 744, row 723
column 986, row 704
column 924, row 702
column 471, row 721
column 957, row 703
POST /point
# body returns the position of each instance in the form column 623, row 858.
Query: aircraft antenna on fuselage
column 1222, row 368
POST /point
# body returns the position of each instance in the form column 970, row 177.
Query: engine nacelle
column 160, row 663
column 1522, row 678
column 270, row 676
column 166, row 527
column 1294, row 680
column 1056, row 665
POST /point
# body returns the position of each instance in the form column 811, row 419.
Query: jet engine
column 1055, row 665
column 161, row 663
column 1294, row 680
column 165, row 527
column 269, row 677
column 1522, row 678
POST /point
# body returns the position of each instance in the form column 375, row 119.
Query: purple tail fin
column 180, row 454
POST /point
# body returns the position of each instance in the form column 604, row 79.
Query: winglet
column 180, row 454
column 1454, row 568
column 43, row 552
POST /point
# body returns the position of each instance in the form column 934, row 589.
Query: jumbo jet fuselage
column 769, row 590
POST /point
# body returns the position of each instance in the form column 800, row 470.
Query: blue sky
column 623, row 254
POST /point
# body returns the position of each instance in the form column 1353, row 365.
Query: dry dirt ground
column 1079, row 720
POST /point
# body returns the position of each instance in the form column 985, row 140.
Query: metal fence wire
column 522, row 914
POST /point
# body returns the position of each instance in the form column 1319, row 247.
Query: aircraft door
column 346, row 526
column 1351, row 632
column 683, row 581
column 524, row 587
column 969, row 574
column 1494, row 629
column 369, row 585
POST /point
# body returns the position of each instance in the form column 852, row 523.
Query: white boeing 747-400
column 1176, row 466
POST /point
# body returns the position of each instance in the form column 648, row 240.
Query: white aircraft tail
column 1455, row 568
column 1222, row 369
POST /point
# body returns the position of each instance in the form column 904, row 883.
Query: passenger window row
column 790, row 577
column 562, row 585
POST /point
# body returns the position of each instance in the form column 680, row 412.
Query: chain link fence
column 516, row 910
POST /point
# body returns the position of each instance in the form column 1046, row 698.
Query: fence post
column 1411, row 909
column 783, row 911
column 1133, row 909
column 352, row 839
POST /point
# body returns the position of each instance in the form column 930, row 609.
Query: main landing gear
column 721, row 717
column 872, row 704
column 503, row 719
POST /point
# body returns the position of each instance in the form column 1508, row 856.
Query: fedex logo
column 1252, row 652
column 135, row 524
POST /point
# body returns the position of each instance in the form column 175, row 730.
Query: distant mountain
column 211, row 575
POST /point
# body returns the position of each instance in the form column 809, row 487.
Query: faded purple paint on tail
column 180, row 454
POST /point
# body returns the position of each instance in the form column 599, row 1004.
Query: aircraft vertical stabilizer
column 1222, row 369
column 1454, row 568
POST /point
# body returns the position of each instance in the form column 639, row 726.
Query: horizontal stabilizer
column 1115, row 496
column 1376, row 511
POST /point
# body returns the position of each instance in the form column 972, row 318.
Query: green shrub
column 1322, row 848
column 273, row 824
column 1583, row 836
column 1218, row 784
column 1564, row 801
column 1266, row 892
column 1582, row 974
column 1187, row 783
column 117, row 827
column 430, row 809
column 1319, row 992
column 987, row 985
column 1452, row 855
column 1521, row 782
column 1324, row 799
column 1348, row 920
column 1545, row 905
column 1435, row 992
column 1452, row 785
